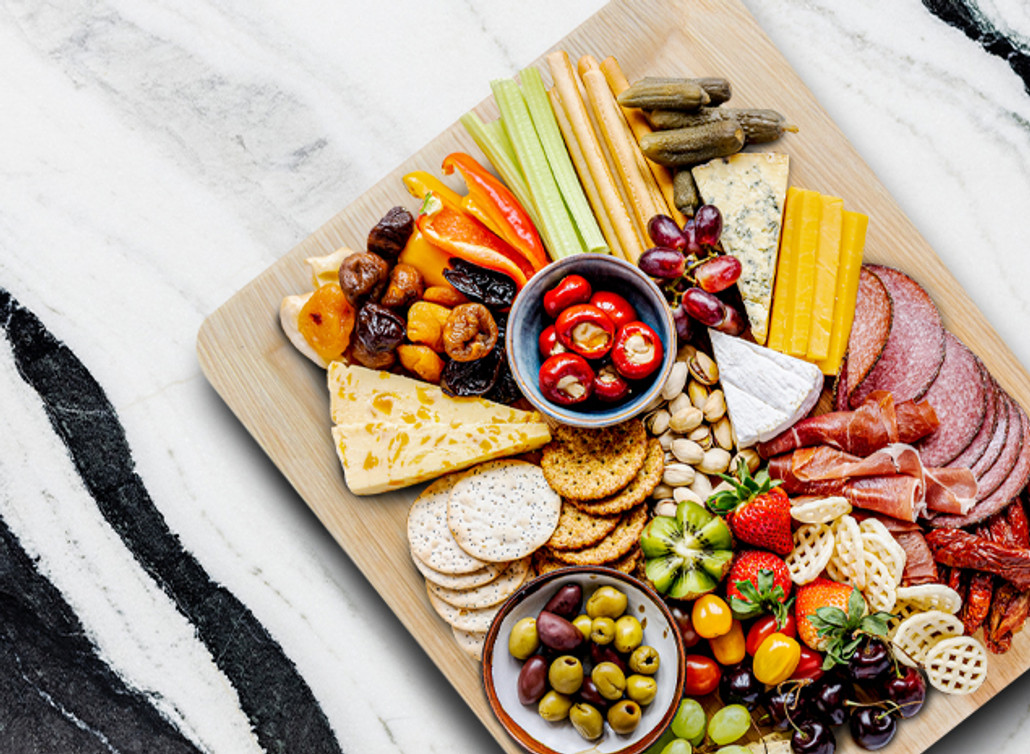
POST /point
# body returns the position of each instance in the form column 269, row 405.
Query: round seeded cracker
column 471, row 642
column 577, row 529
column 488, row 595
column 459, row 580
column 589, row 464
column 502, row 510
column 429, row 537
column 634, row 493
column 462, row 618
column 617, row 544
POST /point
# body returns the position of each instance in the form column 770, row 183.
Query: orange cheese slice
column 852, row 244
column 827, row 259
column 783, row 296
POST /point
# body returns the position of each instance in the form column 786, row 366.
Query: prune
column 405, row 288
column 470, row 332
column 381, row 360
column 363, row 277
column 479, row 284
column 464, row 378
column 506, row 390
column 378, row 329
column 389, row 236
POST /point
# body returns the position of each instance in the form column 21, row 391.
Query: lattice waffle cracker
column 813, row 548
column 820, row 510
column 920, row 599
column 957, row 665
column 919, row 633
column 880, row 585
column 848, row 561
column 881, row 542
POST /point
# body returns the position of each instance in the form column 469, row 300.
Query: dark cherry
column 828, row 699
column 738, row 685
column 907, row 689
column 785, row 704
column 870, row 662
column 872, row 728
column 687, row 633
column 813, row 737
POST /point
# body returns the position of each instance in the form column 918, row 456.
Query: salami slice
column 959, row 397
column 870, row 330
column 998, row 439
column 999, row 471
column 978, row 445
column 915, row 349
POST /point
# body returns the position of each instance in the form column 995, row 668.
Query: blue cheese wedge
column 750, row 189
column 766, row 391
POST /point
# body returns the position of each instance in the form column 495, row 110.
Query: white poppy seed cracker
column 488, row 595
column 429, row 537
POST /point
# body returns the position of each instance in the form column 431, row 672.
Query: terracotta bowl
column 501, row 670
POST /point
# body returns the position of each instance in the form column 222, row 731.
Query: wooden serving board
column 282, row 399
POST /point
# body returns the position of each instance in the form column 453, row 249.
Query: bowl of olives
column 584, row 658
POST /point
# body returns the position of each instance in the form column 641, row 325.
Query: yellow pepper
column 421, row 361
column 430, row 260
column 419, row 183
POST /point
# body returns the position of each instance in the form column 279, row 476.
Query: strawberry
column 759, row 582
column 811, row 597
column 833, row 618
column 757, row 510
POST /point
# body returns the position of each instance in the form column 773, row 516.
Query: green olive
column 602, row 630
column 565, row 675
column 608, row 602
column 644, row 660
column 554, row 706
column 587, row 721
column 628, row 633
column 582, row 622
column 609, row 680
column 624, row 716
column 642, row 689
column 523, row 640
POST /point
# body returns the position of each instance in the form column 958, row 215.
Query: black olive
column 481, row 285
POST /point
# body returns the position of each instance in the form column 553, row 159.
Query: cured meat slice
column 840, row 388
column 914, row 352
column 920, row 567
column 950, row 490
column 978, row 445
column 894, row 525
column 960, row 549
column 998, row 439
column 897, row 496
column 916, row 419
column 959, row 397
column 869, row 332
column 991, row 479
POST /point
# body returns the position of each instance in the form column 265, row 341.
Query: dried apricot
column 425, row 324
column 326, row 321
column 421, row 361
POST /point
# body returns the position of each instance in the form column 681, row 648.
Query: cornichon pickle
column 759, row 125
column 684, row 192
column 671, row 94
column 717, row 89
column 694, row 145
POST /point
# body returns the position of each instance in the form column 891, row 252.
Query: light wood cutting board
column 282, row 400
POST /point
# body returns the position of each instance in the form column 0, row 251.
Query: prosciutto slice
column 896, row 496
column 920, row 567
column 878, row 422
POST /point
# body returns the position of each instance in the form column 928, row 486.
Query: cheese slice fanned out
column 766, row 391
column 382, row 456
column 750, row 189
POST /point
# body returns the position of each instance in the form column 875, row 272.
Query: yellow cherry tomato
column 730, row 648
column 711, row 616
column 776, row 659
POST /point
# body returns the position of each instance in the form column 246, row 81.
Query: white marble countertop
column 156, row 156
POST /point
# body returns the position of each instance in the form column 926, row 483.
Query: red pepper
column 767, row 625
column 548, row 342
column 566, row 379
column 809, row 667
column 500, row 205
column 463, row 236
column 573, row 289
column 609, row 386
column 586, row 330
column 637, row 351
column 619, row 310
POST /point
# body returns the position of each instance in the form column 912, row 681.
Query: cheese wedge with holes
column 750, row 189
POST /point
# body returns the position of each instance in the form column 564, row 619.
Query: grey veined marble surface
column 162, row 588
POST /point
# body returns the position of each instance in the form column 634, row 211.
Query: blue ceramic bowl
column 528, row 319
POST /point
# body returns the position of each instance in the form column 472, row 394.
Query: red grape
column 704, row 307
column 733, row 324
column 684, row 326
column 718, row 273
column 664, row 231
column 708, row 224
column 662, row 262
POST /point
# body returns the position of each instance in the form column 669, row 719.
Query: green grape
column 678, row 746
column 729, row 723
column 734, row 749
column 689, row 722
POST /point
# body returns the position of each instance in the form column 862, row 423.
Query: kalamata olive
column 628, row 633
column 588, row 693
column 532, row 683
column 363, row 277
column 606, row 653
column 624, row 716
column 523, row 640
column 644, row 660
column 609, row 680
column 642, row 689
column 557, row 633
column 565, row 674
column 391, row 233
column 566, row 601
column 583, row 623
column 587, row 721
column 602, row 630
column 608, row 602
column 554, row 706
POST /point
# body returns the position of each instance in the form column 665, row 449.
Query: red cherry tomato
column 618, row 309
column 573, row 289
column 586, row 330
column 765, row 626
column 637, row 351
column 609, row 386
column 810, row 666
column 548, row 342
column 566, row 379
column 703, row 675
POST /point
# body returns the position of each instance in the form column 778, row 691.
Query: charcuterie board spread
column 667, row 327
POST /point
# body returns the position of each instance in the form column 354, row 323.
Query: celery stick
column 561, row 165
column 554, row 216
column 495, row 128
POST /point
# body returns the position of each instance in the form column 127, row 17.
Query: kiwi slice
column 686, row 555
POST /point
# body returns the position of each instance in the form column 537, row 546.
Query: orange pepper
column 463, row 236
column 508, row 217
column 473, row 209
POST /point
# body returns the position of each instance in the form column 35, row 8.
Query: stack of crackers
column 471, row 535
column 604, row 477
